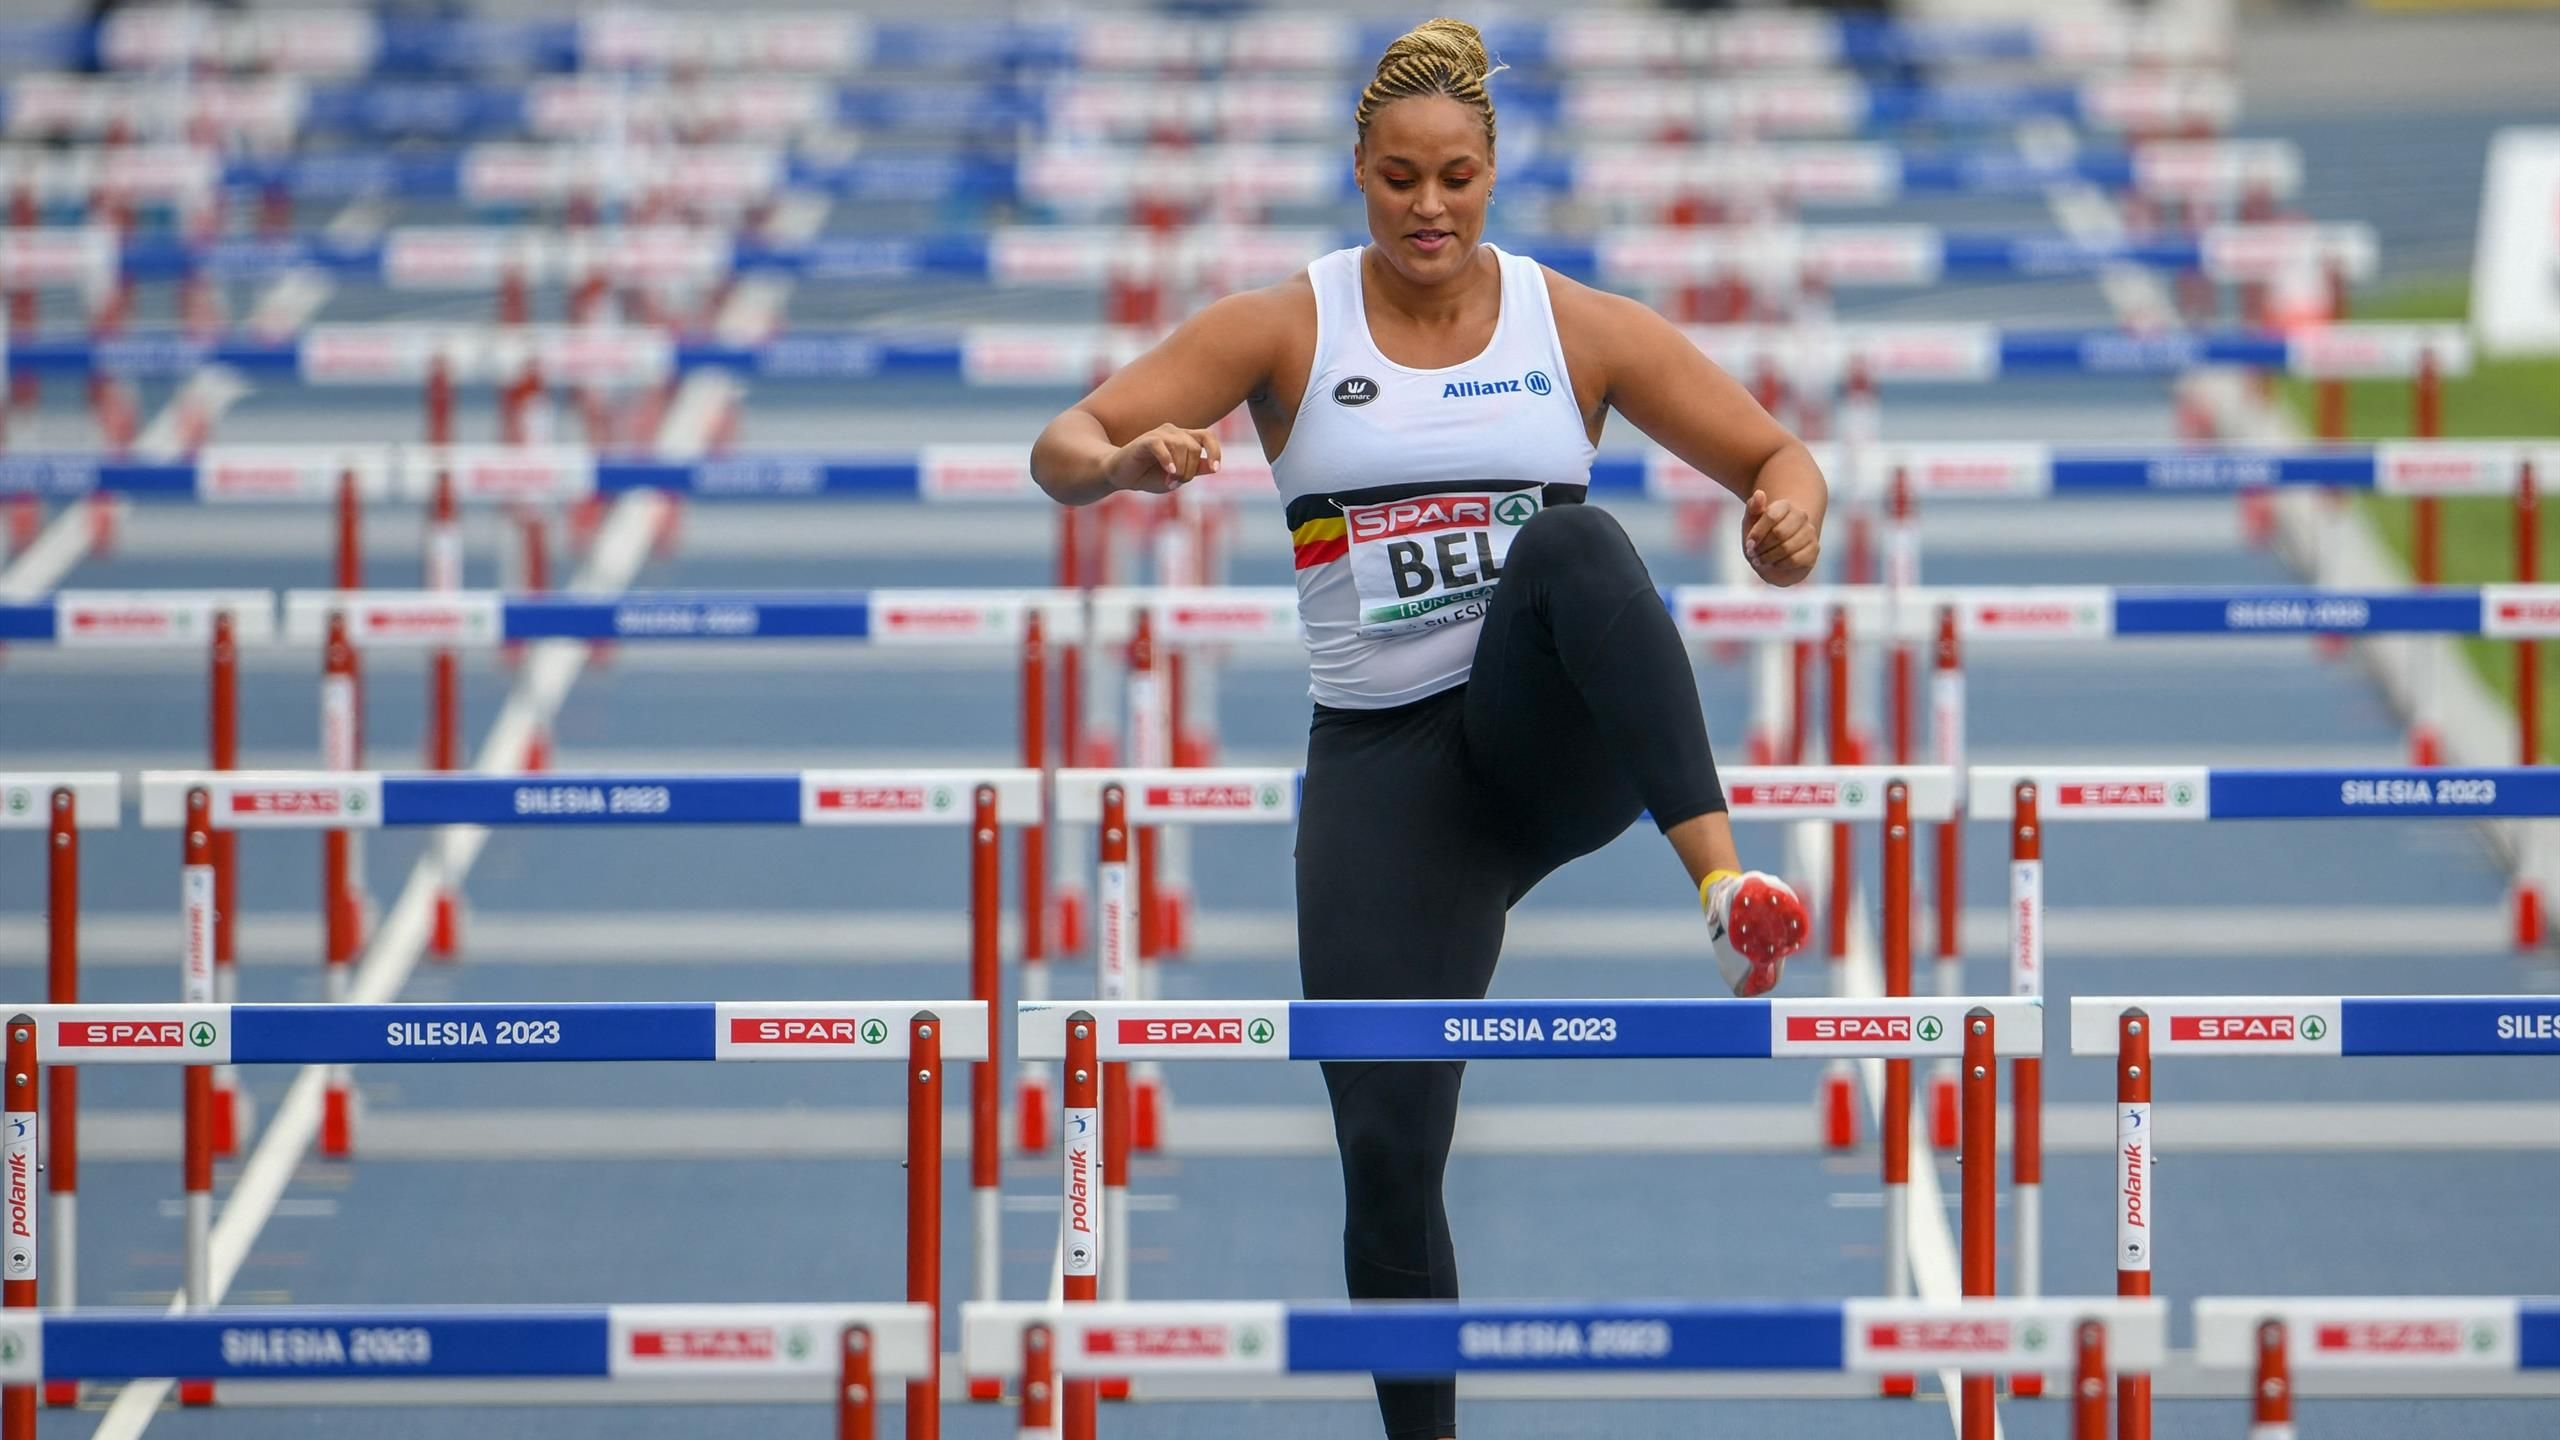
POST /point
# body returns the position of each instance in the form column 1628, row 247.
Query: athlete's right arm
column 1147, row 426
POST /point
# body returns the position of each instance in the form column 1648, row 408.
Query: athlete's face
column 1426, row 173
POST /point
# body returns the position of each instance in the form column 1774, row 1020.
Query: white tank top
column 1405, row 486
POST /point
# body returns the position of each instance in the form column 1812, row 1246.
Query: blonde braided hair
column 1436, row 57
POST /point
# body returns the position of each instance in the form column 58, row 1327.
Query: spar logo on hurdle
column 1956, row 1337
column 2244, row 1028
column 723, row 1344
column 265, row 803
column 807, row 1030
column 1864, row 1029
column 2404, row 1338
column 135, row 1034
column 2125, row 795
column 1227, row 799
column 1797, row 794
column 20, row 800
column 884, row 799
column 1197, row 1030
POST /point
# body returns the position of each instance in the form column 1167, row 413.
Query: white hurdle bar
column 2275, row 1338
column 1088, row 1037
column 1230, row 1341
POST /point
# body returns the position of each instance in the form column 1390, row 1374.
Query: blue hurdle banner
column 2195, row 792
column 26, row 798
column 1208, row 795
column 2394, row 1333
column 345, row 799
column 939, row 618
column 355, row 42
column 1530, row 1029
column 482, row 258
column 272, row 111
column 339, row 1034
column 2000, row 614
column 138, row 619
column 1000, row 356
column 490, row 474
column 1074, row 178
column 2326, row 1024
column 621, row 1342
column 1143, row 1338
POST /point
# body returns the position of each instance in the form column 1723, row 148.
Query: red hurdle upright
column 1839, row 1104
column 62, row 1115
column 341, row 908
column 1979, row 1205
column 924, row 1199
column 2026, row 1103
column 1081, row 1218
column 18, row 1154
column 223, row 729
column 2528, row 528
column 857, row 1397
column 2271, row 1390
column 1897, row 1073
column 1946, row 730
column 1032, row 1110
column 1150, row 747
column 986, row 1082
column 197, row 902
column 2133, row 1215
column 444, row 691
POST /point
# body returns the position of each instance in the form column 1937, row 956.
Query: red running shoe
column 1756, row 922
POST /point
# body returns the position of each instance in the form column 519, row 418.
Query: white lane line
column 1219, row 936
column 516, row 1134
column 549, row 670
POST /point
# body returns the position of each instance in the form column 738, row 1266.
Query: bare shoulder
column 1603, row 333
column 1589, row 316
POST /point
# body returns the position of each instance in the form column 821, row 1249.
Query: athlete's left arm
column 1628, row 358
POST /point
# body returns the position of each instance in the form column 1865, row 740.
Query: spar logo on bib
column 1431, row 560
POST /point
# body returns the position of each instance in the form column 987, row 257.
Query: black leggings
column 1422, row 825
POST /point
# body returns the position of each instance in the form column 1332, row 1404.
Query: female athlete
column 1498, row 688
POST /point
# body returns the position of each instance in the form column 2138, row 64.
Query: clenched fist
column 1779, row 540
column 1163, row 460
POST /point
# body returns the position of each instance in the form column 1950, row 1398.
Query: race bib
column 1432, row 560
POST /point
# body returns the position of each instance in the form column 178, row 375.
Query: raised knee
column 1578, row 536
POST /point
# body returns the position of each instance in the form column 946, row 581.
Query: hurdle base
column 1943, row 1127
column 444, row 936
column 195, row 1394
column 986, row 1387
column 1031, row 1115
column 1117, row 1389
column 337, row 1123
column 1146, row 1115
column 2026, row 1387
column 1899, row 1387
column 233, row 1115
column 2528, row 914
column 62, row 1394
column 2426, row 747
column 1836, row 1107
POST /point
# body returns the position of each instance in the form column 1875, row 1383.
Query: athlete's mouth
column 1430, row 239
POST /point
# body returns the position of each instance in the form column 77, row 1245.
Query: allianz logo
column 1535, row 382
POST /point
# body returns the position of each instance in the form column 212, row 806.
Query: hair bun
column 1453, row 43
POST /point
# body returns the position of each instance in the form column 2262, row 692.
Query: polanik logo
column 1358, row 390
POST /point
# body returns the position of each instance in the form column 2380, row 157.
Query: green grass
column 2499, row 398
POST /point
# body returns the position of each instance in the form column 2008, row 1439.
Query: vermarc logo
column 1357, row 390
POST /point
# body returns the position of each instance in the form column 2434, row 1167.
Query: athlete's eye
column 1400, row 182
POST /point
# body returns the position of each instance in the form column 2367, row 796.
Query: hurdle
column 61, row 805
column 1007, row 623
column 356, row 43
column 643, row 1354
column 1201, row 1349
column 276, row 112
column 919, row 1035
column 1088, row 1037
column 1082, row 179
column 984, row 800
column 2459, row 1338
column 219, row 621
column 2128, row 1030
